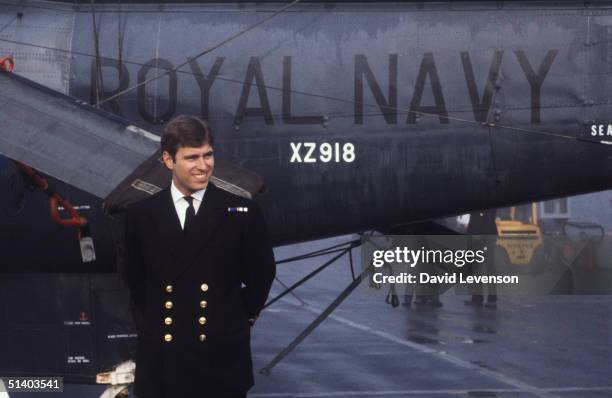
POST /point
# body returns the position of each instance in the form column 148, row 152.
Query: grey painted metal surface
column 357, row 70
column 48, row 28
column 71, row 141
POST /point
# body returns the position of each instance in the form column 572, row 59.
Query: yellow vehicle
column 520, row 235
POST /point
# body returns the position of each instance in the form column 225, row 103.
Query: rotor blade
column 67, row 139
column 92, row 149
column 151, row 176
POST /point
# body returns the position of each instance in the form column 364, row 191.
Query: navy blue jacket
column 195, row 293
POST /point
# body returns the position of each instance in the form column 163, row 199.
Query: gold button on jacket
column 168, row 304
column 168, row 321
column 168, row 337
column 202, row 337
column 204, row 287
column 169, row 289
column 202, row 320
column 203, row 304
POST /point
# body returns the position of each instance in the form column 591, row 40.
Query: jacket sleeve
column 258, row 262
column 132, row 264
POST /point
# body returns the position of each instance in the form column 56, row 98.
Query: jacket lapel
column 207, row 221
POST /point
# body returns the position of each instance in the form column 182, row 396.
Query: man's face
column 191, row 168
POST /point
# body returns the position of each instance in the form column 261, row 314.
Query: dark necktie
column 189, row 214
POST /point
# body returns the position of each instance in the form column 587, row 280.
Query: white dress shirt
column 181, row 205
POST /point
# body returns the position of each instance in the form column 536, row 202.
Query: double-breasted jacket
column 194, row 293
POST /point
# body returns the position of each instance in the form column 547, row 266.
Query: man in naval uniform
column 199, row 267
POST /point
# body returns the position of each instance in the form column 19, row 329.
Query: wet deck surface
column 527, row 347
column 555, row 346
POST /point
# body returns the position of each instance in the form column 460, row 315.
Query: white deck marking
column 517, row 384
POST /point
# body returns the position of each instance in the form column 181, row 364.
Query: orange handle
column 74, row 221
column 7, row 64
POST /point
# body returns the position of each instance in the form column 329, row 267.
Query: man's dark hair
column 185, row 131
